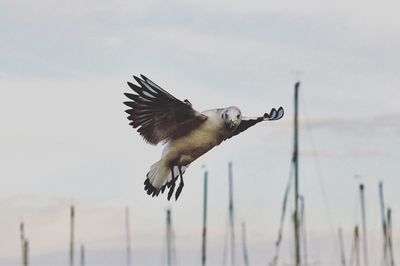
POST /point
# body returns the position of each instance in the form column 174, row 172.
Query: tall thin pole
column 82, row 255
column 231, row 215
column 244, row 244
column 26, row 252
column 296, row 175
column 169, row 238
column 204, row 233
column 390, row 240
column 364, row 225
column 303, row 227
column 72, row 228
column 384, row 225
column 341, row 243
column 357, row 245
column 128, row 237
column 22, row 237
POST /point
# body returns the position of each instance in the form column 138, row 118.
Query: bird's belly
column 186, row 149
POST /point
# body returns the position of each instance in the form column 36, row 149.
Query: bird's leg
column 173, row 181
column 181, row 184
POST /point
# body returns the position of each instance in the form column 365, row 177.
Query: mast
column 390, row 240
column 231, row 215
column 296, row 176
column 384, row 225
column 342, row 254
column 82, row 255
column 303, row 231
column 22, row 237
column 71, row 244
column 26, row 253
column 357, row 245
column 128, row 237
column 364, row 225
column 169, row 238
column 245, row 254
column 204, row 233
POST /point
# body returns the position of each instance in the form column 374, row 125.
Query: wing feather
column 157, row 115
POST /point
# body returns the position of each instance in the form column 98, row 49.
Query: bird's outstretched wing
column 249, row 122
column 158, row 115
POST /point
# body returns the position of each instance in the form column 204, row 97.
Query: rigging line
column 318, row 167
column 274, row 261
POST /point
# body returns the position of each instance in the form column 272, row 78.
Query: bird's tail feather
column 160, row 176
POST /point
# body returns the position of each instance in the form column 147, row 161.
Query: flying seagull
column 187, row 134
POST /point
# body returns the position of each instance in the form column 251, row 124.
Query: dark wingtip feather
column 138, row 80
column 131, row 96
column 129, row 104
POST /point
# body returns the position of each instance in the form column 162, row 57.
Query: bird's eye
column 238, row 116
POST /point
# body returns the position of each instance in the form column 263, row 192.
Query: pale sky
column 65, row 138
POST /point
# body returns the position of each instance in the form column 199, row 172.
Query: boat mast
column 364, row 225
column 357, row 245
column 72, row 236
column 302, row 220
column 204, row 234
column 231, row 215
column 342, row 254
column 128, row 237
column 244, row 245
column 296, row 176
column 390, row 240
column 384, row 224
column 83, row 255
column 169, row 238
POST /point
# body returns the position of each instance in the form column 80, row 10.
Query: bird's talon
column 178, row 191
column 171, row 191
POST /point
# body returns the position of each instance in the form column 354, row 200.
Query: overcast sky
column 65, row 139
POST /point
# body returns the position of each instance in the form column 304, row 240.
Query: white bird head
column 231, row 117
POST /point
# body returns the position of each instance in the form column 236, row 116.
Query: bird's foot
column 179, row 190
column 181, row 184
column 171, row 188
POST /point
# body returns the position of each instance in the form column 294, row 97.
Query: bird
column 186, row 133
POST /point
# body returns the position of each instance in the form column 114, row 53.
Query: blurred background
column 65, row 139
